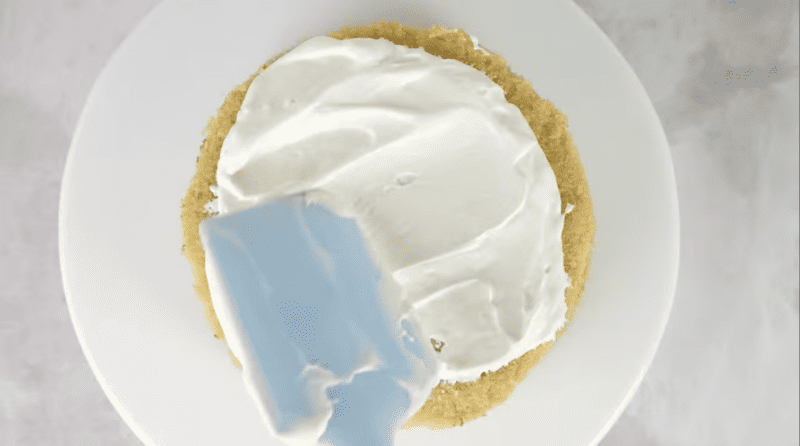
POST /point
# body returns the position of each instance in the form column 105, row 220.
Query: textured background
column 723, row 76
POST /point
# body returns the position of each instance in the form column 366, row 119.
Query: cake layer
column 450, row 404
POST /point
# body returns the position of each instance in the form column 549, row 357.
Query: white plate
column 129, row 289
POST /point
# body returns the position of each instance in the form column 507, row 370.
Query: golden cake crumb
column 449, row 404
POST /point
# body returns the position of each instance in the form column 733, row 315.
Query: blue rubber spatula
column 305, row 291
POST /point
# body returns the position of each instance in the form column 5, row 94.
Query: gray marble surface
column 723, row 76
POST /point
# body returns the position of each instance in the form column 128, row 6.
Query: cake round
column 450, row 403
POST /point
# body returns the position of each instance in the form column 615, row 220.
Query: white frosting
column 444, row 177
column 477, row 45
